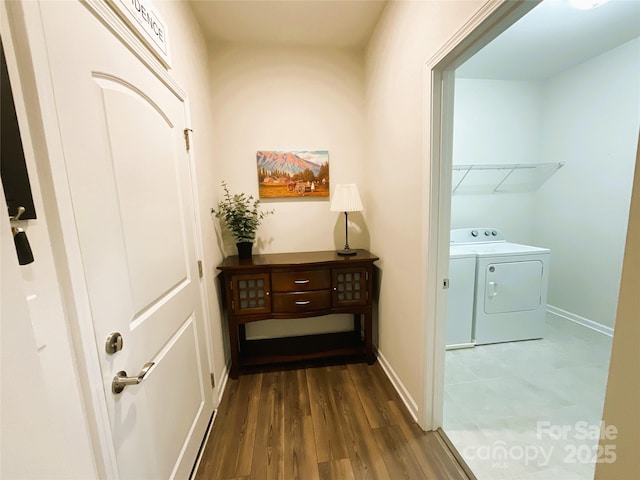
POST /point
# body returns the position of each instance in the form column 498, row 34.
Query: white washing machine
column 462, row 286
column 511, row 285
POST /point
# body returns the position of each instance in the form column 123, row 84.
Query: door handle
column 120, row 381
column 493, row 285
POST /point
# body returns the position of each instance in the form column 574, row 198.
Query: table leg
column 357, row 324
column 368, row 337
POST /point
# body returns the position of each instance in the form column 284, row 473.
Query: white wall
column 406, row 37
column 288, row 98
column 496, row 122
column 592, row 114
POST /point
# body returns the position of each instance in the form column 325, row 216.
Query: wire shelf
column 503, row 178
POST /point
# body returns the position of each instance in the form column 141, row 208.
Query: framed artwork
column 293, row 174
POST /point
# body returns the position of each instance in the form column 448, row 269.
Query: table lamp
column 346, row 199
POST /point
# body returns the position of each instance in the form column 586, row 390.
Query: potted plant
column 242, row 216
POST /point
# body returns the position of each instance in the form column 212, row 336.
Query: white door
column 129, row 178
column 513, row 286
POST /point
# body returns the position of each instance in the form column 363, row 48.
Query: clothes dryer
column 511, row 286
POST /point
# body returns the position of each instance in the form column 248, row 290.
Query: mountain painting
column 293, row 174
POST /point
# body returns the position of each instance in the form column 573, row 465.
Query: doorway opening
column 506, row 398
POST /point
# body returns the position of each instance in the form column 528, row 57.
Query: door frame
column 28, row 46
column 493, row 18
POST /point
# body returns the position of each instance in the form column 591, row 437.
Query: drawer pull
column 303, row 302
column 301, row 282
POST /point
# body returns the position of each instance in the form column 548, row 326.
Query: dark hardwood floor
column 323, row 422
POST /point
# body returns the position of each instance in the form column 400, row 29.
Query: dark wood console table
column 298, row 285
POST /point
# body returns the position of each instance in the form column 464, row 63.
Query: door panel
column 150, row 210
column 174, row 406
column 513, row 286
column 128, row 173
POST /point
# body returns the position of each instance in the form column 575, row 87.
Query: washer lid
column 461, row 251
column 508, row 249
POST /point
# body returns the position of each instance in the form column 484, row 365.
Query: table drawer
column 301, row 301
column 301, row 281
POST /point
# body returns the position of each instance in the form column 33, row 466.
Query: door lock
column 120, row 381
column 114, row 343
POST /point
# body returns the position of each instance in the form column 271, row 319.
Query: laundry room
column 543, row 156
column 568, row 143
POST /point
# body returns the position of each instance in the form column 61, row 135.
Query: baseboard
column 223, row 382
column 194, row 470
column 458, row 346
column 585, row 322
column 223, row 379
column 408, row 401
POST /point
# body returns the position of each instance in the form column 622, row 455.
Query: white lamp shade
column 345, row 198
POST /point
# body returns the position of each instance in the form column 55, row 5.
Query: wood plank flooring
column 330, row 422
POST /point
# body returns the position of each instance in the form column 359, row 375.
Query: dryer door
column 513, row 286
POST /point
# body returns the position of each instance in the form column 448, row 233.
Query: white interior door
column 128, row 174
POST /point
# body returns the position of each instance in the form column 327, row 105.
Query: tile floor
column 529, row 410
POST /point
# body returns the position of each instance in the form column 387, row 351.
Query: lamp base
column 347, row 252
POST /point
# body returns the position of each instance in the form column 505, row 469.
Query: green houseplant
column 242, row 216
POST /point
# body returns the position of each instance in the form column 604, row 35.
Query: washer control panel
column 476, row 235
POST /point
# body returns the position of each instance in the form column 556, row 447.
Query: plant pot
column 244, row 249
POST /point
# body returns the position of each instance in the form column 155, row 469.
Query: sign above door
column 146, row 23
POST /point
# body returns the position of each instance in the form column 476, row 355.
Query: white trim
column 460, row 346
column 199, row 242
column 460, row 37
column 433, row 231
column 405, row 396
column 585, row 322
column 121, row 30
column 488, row 22
column 224, row 376
column 203, row 445
column 160, row 49
column 220, row 392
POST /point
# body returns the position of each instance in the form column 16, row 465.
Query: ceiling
column 553, row 37
column 309, row 23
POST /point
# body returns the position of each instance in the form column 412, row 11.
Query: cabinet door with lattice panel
column 251, row 293
column 350, row 286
